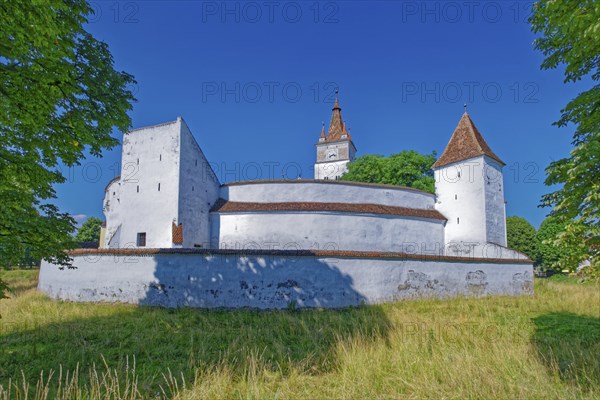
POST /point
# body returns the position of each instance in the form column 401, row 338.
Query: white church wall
column 198, row 191
column 150, row 158
column 112, row 208
column 326, row 192
column 494, row 203
column 273, row 281
column 327, row 231
column 330, row 170
column 460, row 195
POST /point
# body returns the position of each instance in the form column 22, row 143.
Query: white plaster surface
column 326, row 231
column 327, row 192
column 264, row 282
column 165, row 155
column 474, row 208
column 198, row 191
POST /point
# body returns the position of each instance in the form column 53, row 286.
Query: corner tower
column 469, row 188
column 336, row 149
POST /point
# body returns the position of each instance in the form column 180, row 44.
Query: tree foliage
column 570, row 36
column 407, row 168
column 554, row 254
column 89, row 231
column 60, row 98
column 522, row 236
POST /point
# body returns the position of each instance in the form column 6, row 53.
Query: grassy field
column 545, row 346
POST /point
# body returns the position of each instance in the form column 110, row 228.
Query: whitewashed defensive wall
column 327, row 192
column 325, row 215
column 276, row 279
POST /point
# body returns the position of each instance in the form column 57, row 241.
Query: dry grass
column 546, row 346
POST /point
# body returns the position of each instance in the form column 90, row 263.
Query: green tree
column 570, row 36
column 89, row 231
column 60, row 98
column 554, row 253
column 407, row 168
column 522, row 236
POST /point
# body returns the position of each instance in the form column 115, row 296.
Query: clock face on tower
column 332, row 154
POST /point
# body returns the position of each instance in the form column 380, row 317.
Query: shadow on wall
column 180, row 340
column 569, row 345
column 263, row 282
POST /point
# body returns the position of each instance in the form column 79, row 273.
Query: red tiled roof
column 466, row 142
column 145, row 252
column 224, row 206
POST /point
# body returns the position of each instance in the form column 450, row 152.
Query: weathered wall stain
column 419, row 282
column 476, row 282
column 522, row 282
column 266, row 282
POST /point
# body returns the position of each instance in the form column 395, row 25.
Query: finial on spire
column 465, row 106
column 336, row 104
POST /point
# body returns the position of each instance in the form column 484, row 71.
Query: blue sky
column 254, row 81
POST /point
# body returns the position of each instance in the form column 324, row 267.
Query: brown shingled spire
column 466, row 142
column 322, row 137
column 336, row 125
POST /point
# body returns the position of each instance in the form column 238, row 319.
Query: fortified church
column 167, row 196
column 177, row 237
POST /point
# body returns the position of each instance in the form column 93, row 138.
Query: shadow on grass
column 184, row 339
column 19, row 280
column 569, row 345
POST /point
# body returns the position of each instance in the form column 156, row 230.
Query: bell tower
column 334, row 149
column 469, row 188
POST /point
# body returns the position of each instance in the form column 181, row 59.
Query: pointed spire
column 336, row 104
column 336, row 124
column 323, row 137
column 466, row 142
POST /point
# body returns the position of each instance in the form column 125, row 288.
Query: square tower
column 336, row 149
column 164, row 193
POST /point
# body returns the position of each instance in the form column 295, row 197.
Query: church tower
column 336, row 149
column 469, row 188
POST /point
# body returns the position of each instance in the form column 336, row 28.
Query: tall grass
column 544, row 346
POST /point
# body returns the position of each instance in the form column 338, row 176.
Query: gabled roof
column 466, row 142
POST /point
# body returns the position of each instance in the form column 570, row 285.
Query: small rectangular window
column 160, row 157
column 138, row 161
column 159, row 186
column 196, row 163
column 455, row 197
column 138, row 188
column 141, row 239
column 457, row 220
